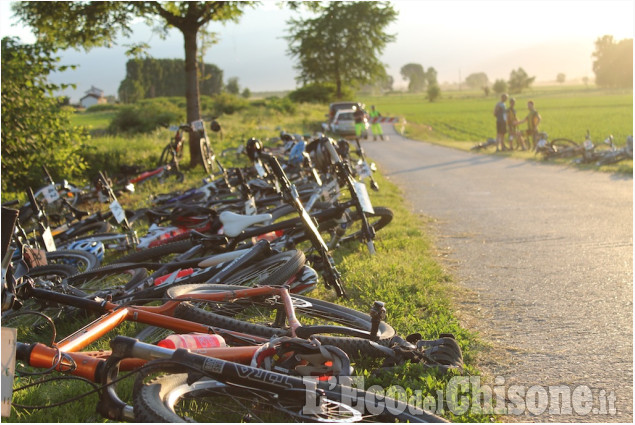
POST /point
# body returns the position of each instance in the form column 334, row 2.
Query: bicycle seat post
column 377, row 314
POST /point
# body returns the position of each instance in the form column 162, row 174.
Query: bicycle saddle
column 234, row 223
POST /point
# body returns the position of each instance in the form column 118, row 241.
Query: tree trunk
column 191, row 91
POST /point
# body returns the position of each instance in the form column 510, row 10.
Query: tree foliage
column 561, row 78
column 149, row 78
column 433, row 92
column 232, row 86
column 519, row 80
column 36, row 129
column 499, row 86
column 477, row 80
column 89, row 24
column 414, row 73
column 342, row 44
column 613, row 65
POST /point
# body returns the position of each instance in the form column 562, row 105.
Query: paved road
column 547, row 255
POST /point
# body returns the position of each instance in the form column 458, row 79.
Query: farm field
column 467, row 117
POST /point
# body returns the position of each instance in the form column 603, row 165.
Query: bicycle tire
column 81, row 260
column 108, row 280
column 227, row 316
column 167, row 398
column 207, row 156
column 163, row 158
column 85, row 230
column 159, row 253
column 47, row 273
column 378, row 220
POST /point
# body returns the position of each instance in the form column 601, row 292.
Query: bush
column 146, row 116
column 104, row 107
column 226, row 103
column 36, row 129
column 319, row 93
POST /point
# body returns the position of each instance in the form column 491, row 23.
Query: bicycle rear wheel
column 262, row 317
column 207, row 156
column 175, row 398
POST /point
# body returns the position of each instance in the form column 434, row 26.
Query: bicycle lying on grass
column 168, row 382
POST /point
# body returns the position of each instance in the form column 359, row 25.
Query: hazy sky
column 455, row 37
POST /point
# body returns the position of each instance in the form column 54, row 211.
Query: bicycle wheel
column 161, row 253
column 82, row 261
column 175, row 398
column 108, row 280
column 378, row 220
column 207, row 156
column 258, row 316
column 85, row 229
column 43, row 277
column 275, row 270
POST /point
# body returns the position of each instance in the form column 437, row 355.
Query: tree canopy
column 95, row 23
column 149, row 77
column 342, row 44
column 414, row 73
column 519, row 80
column 477, row 80
column 613, row 65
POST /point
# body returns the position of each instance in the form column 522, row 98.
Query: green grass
column 467, row 118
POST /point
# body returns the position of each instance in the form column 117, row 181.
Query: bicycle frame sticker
column 9, row 336
column 261, row 375
column 364, row 199
column 50, row 194
column 47, row 237
column 117, row 211
column 213, row 365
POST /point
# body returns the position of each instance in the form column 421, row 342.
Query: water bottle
column 195, row 342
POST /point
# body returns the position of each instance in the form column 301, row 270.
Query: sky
column 456, row 37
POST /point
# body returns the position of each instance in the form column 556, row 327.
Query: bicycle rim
column 170, row 398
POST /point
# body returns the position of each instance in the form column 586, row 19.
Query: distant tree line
column 149, row 78
column 613, row 65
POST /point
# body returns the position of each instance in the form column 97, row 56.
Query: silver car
column 343, row 123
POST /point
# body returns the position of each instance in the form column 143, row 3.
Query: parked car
column 343, row 123
column 334, row 107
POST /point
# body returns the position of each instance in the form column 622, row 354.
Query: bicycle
column 65, row 356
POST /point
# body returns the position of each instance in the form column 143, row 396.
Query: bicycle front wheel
column 174, row 398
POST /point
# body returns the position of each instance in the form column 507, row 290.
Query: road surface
column 546, row 253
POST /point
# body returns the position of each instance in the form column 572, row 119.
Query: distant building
column 94, row 96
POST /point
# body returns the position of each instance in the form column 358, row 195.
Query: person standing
column 512, row 127
column 532, row 119
column 376, row 126
column 500, row 113
column 359, row 116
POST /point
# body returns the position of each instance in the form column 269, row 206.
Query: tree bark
column 192, row 95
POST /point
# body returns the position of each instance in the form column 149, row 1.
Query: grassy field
column 468, row 118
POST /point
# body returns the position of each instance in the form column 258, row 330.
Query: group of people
column 360, row 126
column 507, row 122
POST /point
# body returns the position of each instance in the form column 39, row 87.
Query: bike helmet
column 322, row 155
column 253, row 148
column 93, row 247
column 343, row 148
